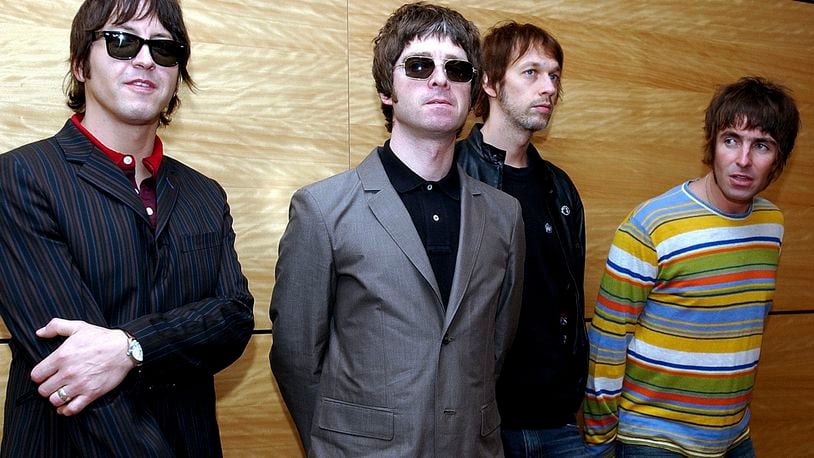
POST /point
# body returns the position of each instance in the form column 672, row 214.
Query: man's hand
column 90, row 363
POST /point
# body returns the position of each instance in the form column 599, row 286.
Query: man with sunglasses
column 543, row 380
column 398, row 282
column 121, row 286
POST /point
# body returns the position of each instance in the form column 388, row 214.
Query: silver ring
column 63, row 395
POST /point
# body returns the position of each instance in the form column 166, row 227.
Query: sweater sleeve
column 629, row 276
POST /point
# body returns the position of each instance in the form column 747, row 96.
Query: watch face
column 135, row 350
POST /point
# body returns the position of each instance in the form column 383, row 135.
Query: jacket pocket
column 355, row 419
column 195, row 242
column 490, row 419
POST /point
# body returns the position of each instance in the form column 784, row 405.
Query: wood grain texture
column 285, row 97
column 784, row 393
column 252, row 417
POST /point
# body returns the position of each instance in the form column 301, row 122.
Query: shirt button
column 128, row 160
column 137, row 191
column 149, row 211
column 435, row 218
column 429, row 187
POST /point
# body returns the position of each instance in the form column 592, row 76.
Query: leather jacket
column 562, row 200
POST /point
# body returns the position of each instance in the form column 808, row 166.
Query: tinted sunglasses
column 421, row 68
column 125, row 46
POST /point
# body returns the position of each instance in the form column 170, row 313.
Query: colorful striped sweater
column 676, row 333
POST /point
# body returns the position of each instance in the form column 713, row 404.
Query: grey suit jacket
column 367, row 358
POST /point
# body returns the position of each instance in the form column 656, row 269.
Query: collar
column 490, row 152
column 497, row 155
column 496, row 152
column 404, row 180
column 152, row 162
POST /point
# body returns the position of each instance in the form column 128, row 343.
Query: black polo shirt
column 435, row 208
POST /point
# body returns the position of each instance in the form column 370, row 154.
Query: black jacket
column 528, row 389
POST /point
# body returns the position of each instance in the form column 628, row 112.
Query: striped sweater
column 676, row 333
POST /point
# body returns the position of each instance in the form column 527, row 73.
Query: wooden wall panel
column 784, row 393
column 251, row 414
column 285, row 97
column 270, row 116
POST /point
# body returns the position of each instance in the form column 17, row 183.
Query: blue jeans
column 743, row 450
column 565, row 442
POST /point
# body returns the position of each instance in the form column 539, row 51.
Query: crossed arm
column 91, row 362
column 58, row 325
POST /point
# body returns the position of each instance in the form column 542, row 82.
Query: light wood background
column 286, row 98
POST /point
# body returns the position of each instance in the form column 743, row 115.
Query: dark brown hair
column 94, row 14
column 420, row 20
column 754, row 103
column 507, row 42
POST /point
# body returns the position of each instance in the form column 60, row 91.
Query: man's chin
column 534, row 122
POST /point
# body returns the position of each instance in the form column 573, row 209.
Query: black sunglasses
column 421, row 68
column 125, row 46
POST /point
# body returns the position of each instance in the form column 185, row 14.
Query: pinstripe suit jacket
column 76, row 243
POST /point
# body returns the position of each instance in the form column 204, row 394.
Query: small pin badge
column 548, row 228
column 565, row 210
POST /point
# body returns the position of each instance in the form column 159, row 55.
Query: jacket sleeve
column 511, row 291
column 630, row 274
column 580, row 261
column 301, row 308
column 40, row 281
column 207, row 334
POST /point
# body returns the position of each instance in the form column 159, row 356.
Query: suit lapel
column 473, row 221
column 96, row 169
column 166, row 194
column 388, row 209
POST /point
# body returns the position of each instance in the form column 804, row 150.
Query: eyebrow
column 126, row 28
column 429, row 54
column 555, row 69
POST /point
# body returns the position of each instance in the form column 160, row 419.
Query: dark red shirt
column 127, row 164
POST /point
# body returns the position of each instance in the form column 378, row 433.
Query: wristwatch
column 134, row 350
